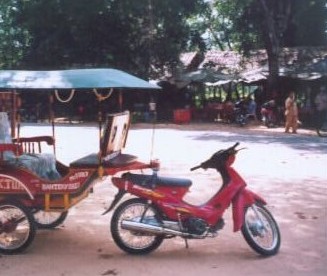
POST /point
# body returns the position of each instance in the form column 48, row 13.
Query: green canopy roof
column 71, row 79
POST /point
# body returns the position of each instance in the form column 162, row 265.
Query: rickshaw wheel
column 49, row 220
column 17, row 227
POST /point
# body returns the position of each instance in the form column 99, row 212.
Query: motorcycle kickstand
column 186, row 243
column 181, row 229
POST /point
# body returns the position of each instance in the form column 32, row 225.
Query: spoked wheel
column 17, row 227
column 49, row 220
column 243, row 120
column 135, row 242
column 261, row 231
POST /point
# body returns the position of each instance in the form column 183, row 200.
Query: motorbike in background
column 240, row 113
column 157, row 212
column 269, row 114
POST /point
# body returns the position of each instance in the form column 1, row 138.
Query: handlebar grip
column 236, row 144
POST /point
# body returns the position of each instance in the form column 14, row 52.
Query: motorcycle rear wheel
column 261, row 231
column 135, row 242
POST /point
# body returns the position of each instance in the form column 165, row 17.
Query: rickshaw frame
column 21, row 188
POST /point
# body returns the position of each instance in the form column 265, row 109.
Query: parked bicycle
column 322, row 124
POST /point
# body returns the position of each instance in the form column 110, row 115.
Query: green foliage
column 297, row 23
column 308, row 24
column 245, row 25
column 145, row 37
column 242, row 25
column 142, row 37
column 13, row 39
column 213, row 26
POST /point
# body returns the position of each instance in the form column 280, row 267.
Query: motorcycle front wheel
column 17, row 227
column 261, row 231
column 131, row 241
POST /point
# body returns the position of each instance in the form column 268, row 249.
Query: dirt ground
column 289, row 171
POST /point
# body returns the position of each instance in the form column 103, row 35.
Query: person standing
column 251, row 108
column 291, row 113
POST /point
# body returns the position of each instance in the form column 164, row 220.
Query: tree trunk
column 273, row 65
column 276, row 14
column 272, row 47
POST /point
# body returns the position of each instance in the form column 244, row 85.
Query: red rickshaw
column 31, row 200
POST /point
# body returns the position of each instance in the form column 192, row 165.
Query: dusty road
column 289, row 171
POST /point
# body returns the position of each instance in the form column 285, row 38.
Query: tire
column 242, row 120
column 321, row 132
column 133, row 242
column 49, row 220
column 263, row 238
column 239, row 119
column 17, row 227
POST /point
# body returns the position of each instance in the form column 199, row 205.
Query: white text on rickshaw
column 9, row 184
column 64, row 187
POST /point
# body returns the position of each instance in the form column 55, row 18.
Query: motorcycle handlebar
column 233, row 147
column 230, row 150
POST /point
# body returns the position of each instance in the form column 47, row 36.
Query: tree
column 215, row 24
column 259, row 24
column 246, row 25
column 308, row 24
column 276, row 16
column 282, row 23
column 13, row 39
column 143, row 37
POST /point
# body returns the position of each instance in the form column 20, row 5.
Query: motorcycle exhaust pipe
column 151, row 229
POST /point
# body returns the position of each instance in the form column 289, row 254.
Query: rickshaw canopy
column 99, row 78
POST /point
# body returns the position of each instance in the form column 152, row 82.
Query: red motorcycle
column 139, row 225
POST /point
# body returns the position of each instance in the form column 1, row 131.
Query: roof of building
column 218, row 66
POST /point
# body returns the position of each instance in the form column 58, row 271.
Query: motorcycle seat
column 151, row 180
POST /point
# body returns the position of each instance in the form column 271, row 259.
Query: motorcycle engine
column 195, row 226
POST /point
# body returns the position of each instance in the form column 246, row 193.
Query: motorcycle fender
column 117, row 198
column 242, row 200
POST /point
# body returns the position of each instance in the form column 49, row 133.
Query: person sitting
column 43, row 165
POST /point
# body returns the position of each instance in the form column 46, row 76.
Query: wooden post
column 120, row 100
column 51, row 115
column 13, row 114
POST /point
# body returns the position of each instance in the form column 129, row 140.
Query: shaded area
column 298, row 142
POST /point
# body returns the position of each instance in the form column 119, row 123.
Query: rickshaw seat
column 113, row 139
column 92, row 161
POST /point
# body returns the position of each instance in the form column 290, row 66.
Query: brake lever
column 236, row 151
column 195, row 168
